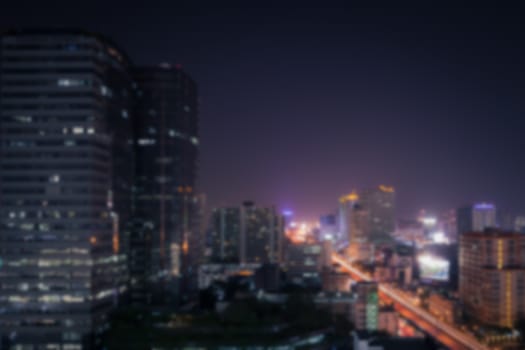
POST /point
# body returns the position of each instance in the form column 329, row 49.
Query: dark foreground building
column 166, row 244
column 66, row 175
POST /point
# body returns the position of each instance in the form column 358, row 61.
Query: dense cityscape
column 108, row 240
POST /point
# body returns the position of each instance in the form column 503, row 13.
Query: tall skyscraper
column 346, row 206
column 476, row 218
column 66, row 174
column 379, row 203
column 492, row 276
column 167, row 202
column 225, row 234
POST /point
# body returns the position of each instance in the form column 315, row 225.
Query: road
column 448, row 335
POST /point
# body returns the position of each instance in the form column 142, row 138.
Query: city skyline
column 305, row 104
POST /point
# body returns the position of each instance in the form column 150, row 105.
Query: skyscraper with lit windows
column 492, row 276
column 66, row 175
column 379, row 203
column 166, row 241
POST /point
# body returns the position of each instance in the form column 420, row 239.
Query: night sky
column 301, row 104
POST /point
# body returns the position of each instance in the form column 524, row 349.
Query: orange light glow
column 388, row 189
column 93, row 239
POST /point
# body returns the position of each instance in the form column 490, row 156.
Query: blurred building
column 247, row 234
column 262, row 233
column 337, row 303
column 519, row 224
column 366, row 308
column 167, row 149
column 449, row 224
column 209, row 273
column 492, row 276
column 346, row 207
column 335, row 281
column 388, row 320
column 328, row 228
column 379, row 203
column 225, row 234
column 476, row 218
column 66, row 166
column 304, row 261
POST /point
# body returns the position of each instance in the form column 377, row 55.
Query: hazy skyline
column 302, row 104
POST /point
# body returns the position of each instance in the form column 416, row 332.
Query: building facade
column 476, row 218
column 379, row 203
column 66, row 168
column 492, row 276
column 167, row 228
column 225, row 234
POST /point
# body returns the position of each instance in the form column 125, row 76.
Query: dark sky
column 300, row 104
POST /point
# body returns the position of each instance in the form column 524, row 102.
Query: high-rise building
column 328, row 229
column 225, row 234
column 246, row 234
column 66, row 176
column 379, row 203
column 346, row 206
column 492, row 276
column 262, row 233
column 476, row 218
column 167, row 202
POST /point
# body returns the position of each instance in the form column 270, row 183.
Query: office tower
column 262, row 233
column 366, row 307
column 359, row 225
column 66, row 167
column 304, row 261
column 476, row 217
column 346, row 205
column 167, row 151
column 225, row 234
column 380, row 204
column 492, row 276
column 328, row 228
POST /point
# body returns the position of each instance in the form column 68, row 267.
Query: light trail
column 460, row 337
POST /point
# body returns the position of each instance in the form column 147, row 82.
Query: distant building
column 304, row 261
column 262, row 233
column 328, row 228
column 209, row 273
column 247, row 234
column 492, row 276
column 476, row 218
column 225, row 234
column 335, row 281
column 346, row 206
column 449, row 224
column 380, row 204
column 366, row 308
column 519, row 224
